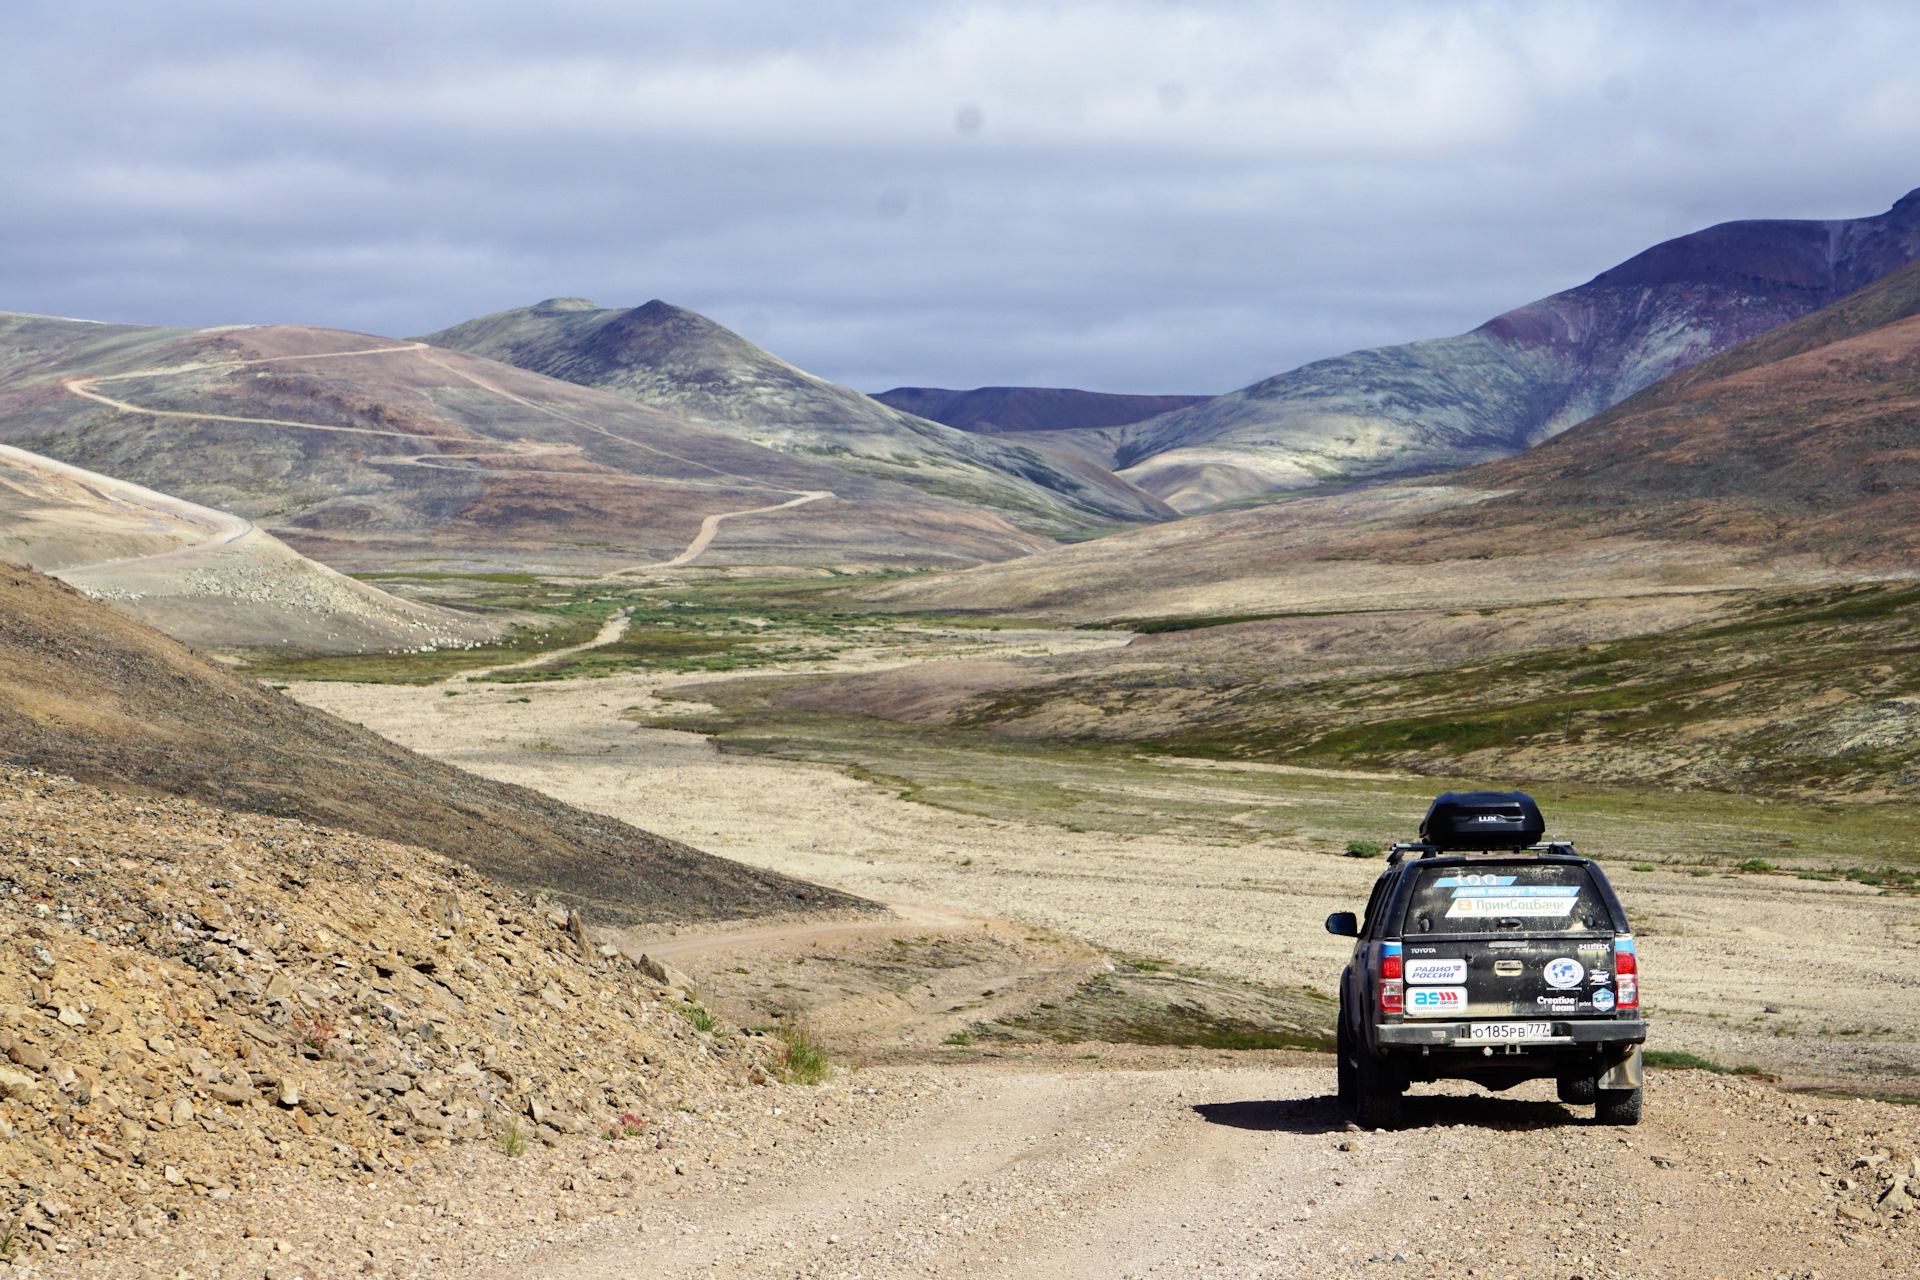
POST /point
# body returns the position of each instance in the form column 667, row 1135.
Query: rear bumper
column 1588, row 1034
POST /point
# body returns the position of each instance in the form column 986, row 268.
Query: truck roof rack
column 1552, row 848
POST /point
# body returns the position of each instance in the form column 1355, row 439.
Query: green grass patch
column 801, row 1060
column 1679, row 1060
column 699, row 1016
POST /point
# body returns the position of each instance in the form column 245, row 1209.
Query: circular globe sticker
column 1564, row 972
column 1603, row 1001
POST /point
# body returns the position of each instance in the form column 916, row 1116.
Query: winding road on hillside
column 232, row 527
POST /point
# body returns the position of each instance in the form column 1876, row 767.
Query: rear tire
column 1578, row 1090
column 1617, row 1106
column 1380, row 1091
column 1347, row 1070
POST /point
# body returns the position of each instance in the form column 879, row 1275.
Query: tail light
column 1391, row 989
column 1390, row 996
column 1626, row 974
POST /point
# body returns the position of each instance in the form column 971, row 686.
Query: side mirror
column 1343, row 924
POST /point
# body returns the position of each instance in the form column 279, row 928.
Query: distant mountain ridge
column 678, row 361
column 1793, row 458
column 364, row 452
column 1011, row 409
column 1520, row 378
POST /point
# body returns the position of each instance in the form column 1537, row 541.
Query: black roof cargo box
column 1482, row 820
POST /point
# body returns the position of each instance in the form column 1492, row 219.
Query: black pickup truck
column 1485, row 955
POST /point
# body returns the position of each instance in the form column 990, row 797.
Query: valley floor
column 1799, row 977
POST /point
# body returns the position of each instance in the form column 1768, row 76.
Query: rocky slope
column 1000, row 410
column 675, row 360
column 363, row 451
column 86, row 692
column 1520, row 378
column 205, row 1015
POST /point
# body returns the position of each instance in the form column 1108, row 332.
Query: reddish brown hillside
column 96, row 696
column 1803, row 440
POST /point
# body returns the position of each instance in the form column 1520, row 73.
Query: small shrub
column 801, row 1061
column 962, row 1038
column 1643, row 866
column 1818, row 875
column 701, row 1019
column 1753, row 864
column 1363, row 849
column 513, row 1142
column 316, row 1032
column 628, row 1125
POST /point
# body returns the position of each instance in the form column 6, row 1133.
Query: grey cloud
column 1158, row 196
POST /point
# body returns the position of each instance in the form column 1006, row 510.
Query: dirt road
column 1075, row 1168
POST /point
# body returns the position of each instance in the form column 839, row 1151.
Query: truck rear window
column 1518, row 898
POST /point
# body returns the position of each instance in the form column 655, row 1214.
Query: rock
column 16, row 1084
column 1895, row 1199
column 289, row 1093
column 72, row 1017
column 174, row 1177
column 1665, row 1162
column 233, row 1095
column 182, row 1112
column 1854, row 1213
column 1349, row 1144
column 669, row 977
column 31, row 1057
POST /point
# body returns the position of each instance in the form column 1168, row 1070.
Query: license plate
column 1509, row 1031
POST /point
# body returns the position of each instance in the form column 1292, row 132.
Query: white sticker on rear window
column 1432, row 972
column 1513, row 905
column 1472, row 877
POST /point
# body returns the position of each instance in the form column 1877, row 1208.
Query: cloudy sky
column 1128, row 196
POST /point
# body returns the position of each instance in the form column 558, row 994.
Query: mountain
column 1788, row 459
column 203, row 576
column 1520, row 378
column 680, row 362
column 1000, row 410
column 367, row 452
column 90, row 694
column 1805, row 441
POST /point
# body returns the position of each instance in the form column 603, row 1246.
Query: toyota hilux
column 1487, row 955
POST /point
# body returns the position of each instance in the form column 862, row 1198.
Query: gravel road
column 1075, row 1168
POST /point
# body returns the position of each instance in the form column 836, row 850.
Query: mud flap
column 1624, row 1074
